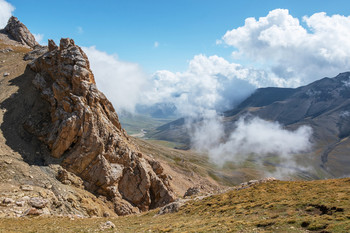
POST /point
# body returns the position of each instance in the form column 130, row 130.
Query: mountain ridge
column 324, row 105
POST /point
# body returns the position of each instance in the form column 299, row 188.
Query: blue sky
column 182, row 28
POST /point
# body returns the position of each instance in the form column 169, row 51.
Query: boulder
column 20, row 203
column 7, row 201
column 26, row 188
column 68, row 178
column 192, row 191
column 33, row 212
column 172, row 207
column 107, row 225
column 38, row 203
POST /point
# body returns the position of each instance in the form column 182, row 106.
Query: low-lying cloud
column 6, row 10
column 252, row 136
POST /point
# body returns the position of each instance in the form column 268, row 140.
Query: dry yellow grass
column 278, row 206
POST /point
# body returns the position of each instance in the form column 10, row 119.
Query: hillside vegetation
column 276, row 206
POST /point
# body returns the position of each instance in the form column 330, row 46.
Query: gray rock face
column 82, row 129
column 37, row 202
column 20, row 32
column 192, row 191
column 37, row 51
column 172, row 207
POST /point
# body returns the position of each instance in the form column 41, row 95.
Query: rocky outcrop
column 82, row 130
column 172, row 207
column 19, row 32
column 192, row 191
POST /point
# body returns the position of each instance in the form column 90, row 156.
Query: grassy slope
column 228, row 174
column 190, row 161
column 278, row 206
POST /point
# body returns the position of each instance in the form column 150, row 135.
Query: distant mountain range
column 324, row 105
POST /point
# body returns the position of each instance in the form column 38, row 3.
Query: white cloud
column 251, row 137
column 122, row 82
column 296, row 55
column 38, row 37
column 6, row 10
column 281, row 53
column 209, row 83
column 156, row 44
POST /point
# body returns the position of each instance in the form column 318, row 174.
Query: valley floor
column 275, row 206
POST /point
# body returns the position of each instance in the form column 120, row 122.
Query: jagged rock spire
column 19, row 32
column 82, row 129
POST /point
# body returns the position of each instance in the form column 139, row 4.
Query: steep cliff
column 82, row 129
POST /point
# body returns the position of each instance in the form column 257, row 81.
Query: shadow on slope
column 22, row 105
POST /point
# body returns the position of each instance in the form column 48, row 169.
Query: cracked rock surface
column 81, row 129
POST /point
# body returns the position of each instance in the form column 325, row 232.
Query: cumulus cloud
column 278, row 50
column 122, row 82
column 252, row 137
column 6, row 10
column 209, row 83
column 295, row 54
